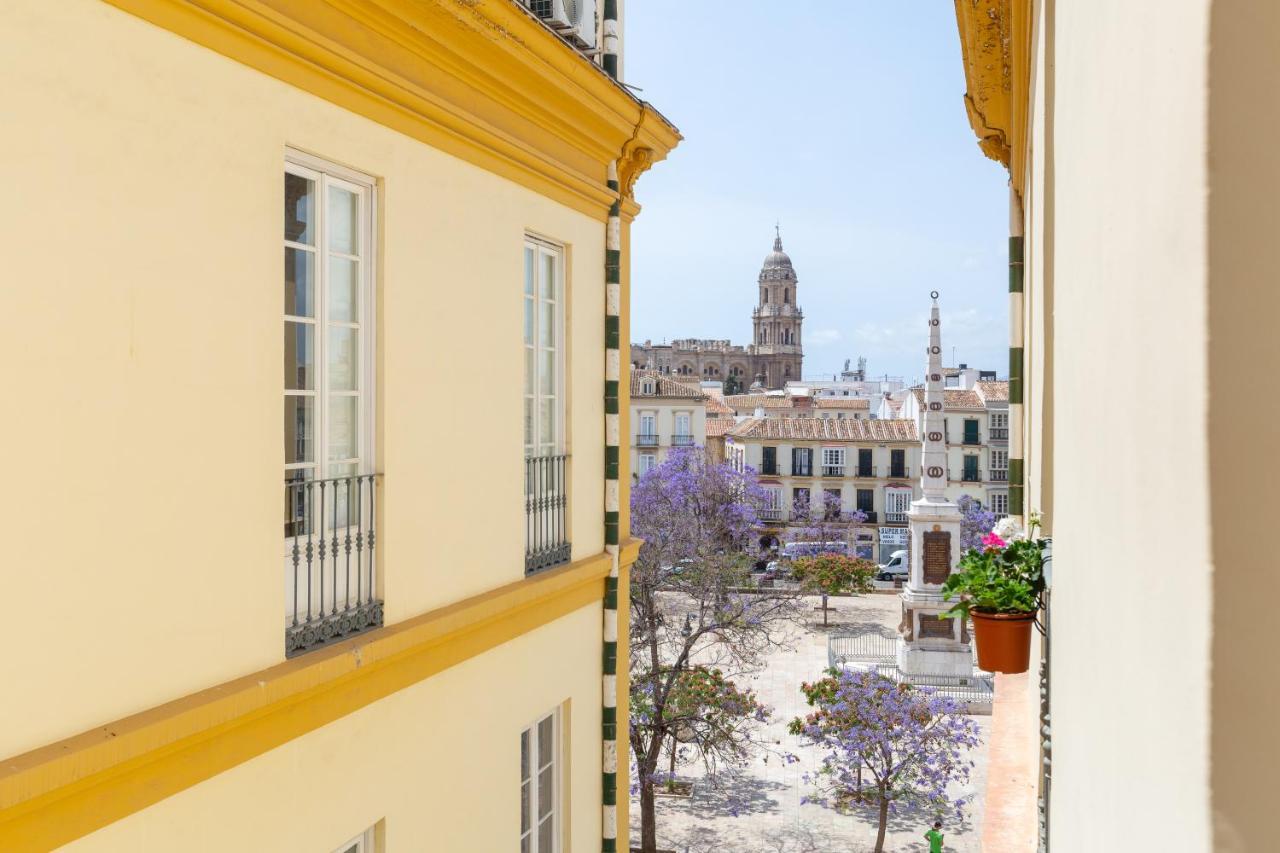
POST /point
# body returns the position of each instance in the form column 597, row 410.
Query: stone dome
column 777, row 264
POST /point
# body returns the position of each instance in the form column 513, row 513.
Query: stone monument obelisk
column 929, row 645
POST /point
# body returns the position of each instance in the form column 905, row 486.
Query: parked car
column 811, row 549
column 896, row 569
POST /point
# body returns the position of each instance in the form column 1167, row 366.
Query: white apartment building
column 666, row 413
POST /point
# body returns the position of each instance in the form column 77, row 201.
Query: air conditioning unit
column 574, row 19
column 554, row 12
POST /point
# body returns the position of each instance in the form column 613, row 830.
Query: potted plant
column 999, row 586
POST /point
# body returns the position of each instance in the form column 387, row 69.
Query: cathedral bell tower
column 776, row 321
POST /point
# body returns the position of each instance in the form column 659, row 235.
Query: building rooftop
column 994, row 391
column 662, row 385
column 719, row 427
column 955, row 398
column 817, row 429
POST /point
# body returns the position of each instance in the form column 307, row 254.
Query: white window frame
column 362, row 843
column 529, row 762
column 999, row 420
column 535, row 443
column 1000, row 504
column 648, row 461
column 325, row 175
column 687, row 419
column 651, row 418
column 833, row 457
column 999, row 460
column 897, row 500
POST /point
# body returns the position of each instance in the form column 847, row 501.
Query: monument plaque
column 936, row 627
column 937, row 556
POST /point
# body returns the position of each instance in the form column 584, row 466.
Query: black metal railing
column 865, row 471
column 970, row 475
column 870, row 516
column 330, row 566
column 646, row 440
column 833, row 470
column 772, row 515
column 900, row 472
column 546, row 506
column 999, row 475
column 999, row 433
column 682, row 441
column 972, row 439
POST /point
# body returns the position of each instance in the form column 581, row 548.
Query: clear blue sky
column 844, row 121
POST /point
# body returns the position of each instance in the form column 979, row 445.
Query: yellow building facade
column 1138, row 142
column 451, row 178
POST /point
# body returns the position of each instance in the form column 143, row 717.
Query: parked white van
column 896, row 569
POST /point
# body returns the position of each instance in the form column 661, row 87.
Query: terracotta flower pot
column 1004, row 640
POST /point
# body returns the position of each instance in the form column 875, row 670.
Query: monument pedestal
column 929, row 645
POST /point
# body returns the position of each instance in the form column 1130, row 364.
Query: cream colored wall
column 142, row 307
column 1132, row 605
column 439, row 761
column 664, row 411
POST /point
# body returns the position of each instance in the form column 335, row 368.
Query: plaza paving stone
column 765, row 813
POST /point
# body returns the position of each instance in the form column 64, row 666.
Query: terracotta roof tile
column 717, row 427
column 817, row 429
column 954, row 398
column 717, row 407
column 738, row 402
column 664, row 386
column 842, row 402
column 994, row 391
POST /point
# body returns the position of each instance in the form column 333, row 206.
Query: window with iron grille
column 833, row 461
column 769, row 460
column 802, row 461
column 546, row 471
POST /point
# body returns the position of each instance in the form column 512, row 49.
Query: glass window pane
column 299, row 356
column 344, row 367
column 299, row 429
column 524, row 755
column 528, row 321
column 528, row 371
column 299, row 282
column 344, row 218
column 344, row 431
column 549, row 277
column 344, row 287
column 547, row 381
column 528, row 271
column 546, row 741
column 546, row 421
column 524, row 844
column 546, row 791
column 524, row 807
column 528, row 423
column 299, row 213
column 547, row 334
column 546, row 836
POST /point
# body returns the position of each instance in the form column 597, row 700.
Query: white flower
column 1009, row 529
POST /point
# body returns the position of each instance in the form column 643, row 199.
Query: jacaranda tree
column 888, row 744
column 975, row 523
column 694, row 629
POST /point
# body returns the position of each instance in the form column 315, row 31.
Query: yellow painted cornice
column 995, row 51
column 60, row 792
column 481, row 79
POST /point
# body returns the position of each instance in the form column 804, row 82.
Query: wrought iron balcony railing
column 646, row 441
column 546, row 507
column 972, row 439
column 833, row 470
column 865, row 471
column 772, row 515
column 970, row 475
column 682, row 441
column 870, row 516
column 900, row 472
column 330, row 568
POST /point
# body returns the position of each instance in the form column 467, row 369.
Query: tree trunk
column 671, row 781
column 824, row 610
column 884, row 820
column 648, row 818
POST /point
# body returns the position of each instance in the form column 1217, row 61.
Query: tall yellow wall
column 1130, row 485
column 141, row 307
column 438, row 761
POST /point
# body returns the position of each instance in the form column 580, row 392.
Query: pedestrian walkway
column 760, row 808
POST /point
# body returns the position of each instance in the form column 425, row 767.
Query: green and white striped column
column 1016, row 349
column 612, row 454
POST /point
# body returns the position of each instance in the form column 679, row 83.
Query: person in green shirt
column 934, row 837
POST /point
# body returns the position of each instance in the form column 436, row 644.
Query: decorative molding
column 483, row 80
column 63, row 791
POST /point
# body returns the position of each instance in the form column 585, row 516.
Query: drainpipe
column 612, row 441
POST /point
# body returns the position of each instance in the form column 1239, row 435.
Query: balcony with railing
column 833, row 470
column 900, row 472
column 999, row 475
column 546, row 500
column 331, row 571
column 895, row 518
column 870, row 516
column 773, row 515
column 999, row 433
column 971, row 475
column 682, row 441
column 646, row 440
column 864, row 471
column 972, row 439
